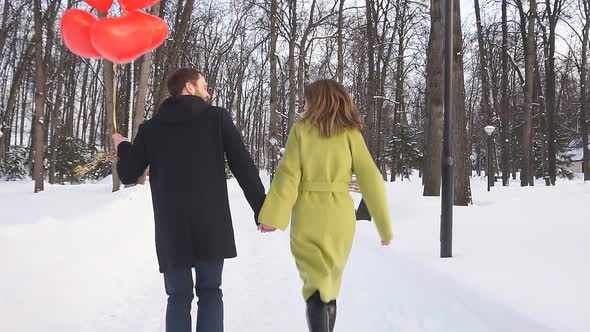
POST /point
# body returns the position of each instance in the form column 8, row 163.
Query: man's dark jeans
column 179, row 287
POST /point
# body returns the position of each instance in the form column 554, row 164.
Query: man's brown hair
column 178, row 79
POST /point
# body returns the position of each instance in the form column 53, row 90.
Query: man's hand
column 265, row 228
column 385, row 243
column 118, row 139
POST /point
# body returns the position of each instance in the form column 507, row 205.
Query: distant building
column 576, row 152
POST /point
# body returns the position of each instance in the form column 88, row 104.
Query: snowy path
column 79, row 258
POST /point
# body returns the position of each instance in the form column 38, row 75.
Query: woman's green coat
column 311, row 188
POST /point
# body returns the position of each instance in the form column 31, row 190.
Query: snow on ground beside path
column 525, row 247
column 80, row 258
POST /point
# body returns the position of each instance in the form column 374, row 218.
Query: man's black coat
column 185, row 145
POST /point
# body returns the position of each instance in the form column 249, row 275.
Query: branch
column 386, row 99
column 573, row 29
column 521, row 78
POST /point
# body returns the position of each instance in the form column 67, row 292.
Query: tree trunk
column 485, row 85
column 400, row 103
column 526, row 172
column 82, row 109
column 12, row 98
column 584, row 93
column 93, row 107
column 273, row 142
column 159, row 60
column 179, row 36
column 340, row 68
column 462, row 173
column 540, row 116
column 550, row 94
column 4, row 24
column 434, row 101
column 110, row 84
column 291, row 61
column 371, row 81
column 142, row 89
column 483, row 68
column 301, row 70
column 56, row 119
column 39, row 134
column 504, row 111
column 69, row 112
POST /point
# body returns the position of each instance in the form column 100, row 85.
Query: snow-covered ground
column 80, row 258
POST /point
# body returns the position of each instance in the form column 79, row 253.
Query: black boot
column 317, row 314
column 332, row 314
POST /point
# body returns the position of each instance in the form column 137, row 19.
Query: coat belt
column 324, row 186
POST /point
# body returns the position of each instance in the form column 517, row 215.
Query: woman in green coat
column 311, row 188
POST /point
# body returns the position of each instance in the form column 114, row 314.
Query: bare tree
column 504, row 111
column 340, row 69
column 552, row 12
column 56, row 118
column 583, row 70
column 484, row 75
column 273, row 142
column 379, row 51
column 371, row 79
column 528, row 34
column 291, row 61
column 39, row 133
column 142, row 90
column 183, row 16
column 109, row 76
column 434, row 102
column 462, row 172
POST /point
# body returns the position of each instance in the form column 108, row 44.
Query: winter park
column 282, row 165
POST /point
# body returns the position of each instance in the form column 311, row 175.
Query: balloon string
column 115, row 122
column 115, row 127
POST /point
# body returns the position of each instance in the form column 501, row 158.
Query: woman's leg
column 332, row 314
column 318, row 319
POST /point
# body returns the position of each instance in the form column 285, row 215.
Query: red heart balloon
column 159, row 29
column 122, row 39
column 75, row 31
column 129, row 5
column 102, row 6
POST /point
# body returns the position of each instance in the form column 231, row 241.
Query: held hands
column 269, row 229
column 118, row 139
column 266, row 229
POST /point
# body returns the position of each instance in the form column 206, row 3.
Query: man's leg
column 210, row 312
column 179, row 287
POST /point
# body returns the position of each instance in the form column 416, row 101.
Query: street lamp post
column 489, row 130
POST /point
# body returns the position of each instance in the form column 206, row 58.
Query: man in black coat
column 186, row 145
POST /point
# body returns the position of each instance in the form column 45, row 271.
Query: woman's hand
column 265, row 228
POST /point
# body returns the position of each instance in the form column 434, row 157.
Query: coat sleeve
column 133, row 158
column 371, row 184
column 241, row 164
column 284, row 189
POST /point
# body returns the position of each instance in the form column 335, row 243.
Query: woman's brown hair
column 330, row 108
